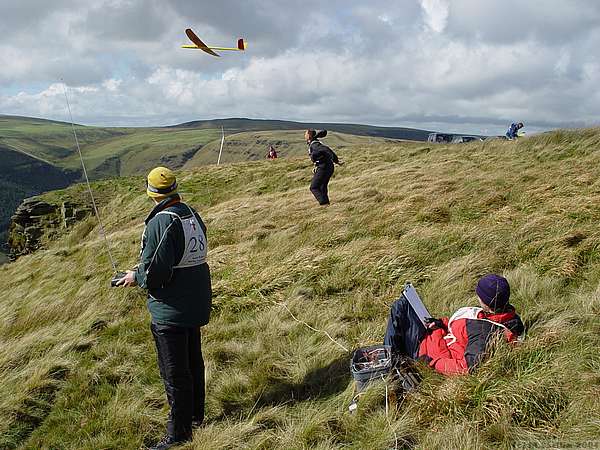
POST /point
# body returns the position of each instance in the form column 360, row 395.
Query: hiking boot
column 168, row 442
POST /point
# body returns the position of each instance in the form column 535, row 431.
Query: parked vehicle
column 445, row 138
column 440, row 138
column 462, row 139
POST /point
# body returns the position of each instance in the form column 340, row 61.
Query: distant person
column 457, row 344
column 272, row 154
column 173, row 269
column 513, row 130
column 323, row 159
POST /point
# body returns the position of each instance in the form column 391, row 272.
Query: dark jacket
column 513, row 131
column 462, row 342
column 321, row 155
column 180, row 297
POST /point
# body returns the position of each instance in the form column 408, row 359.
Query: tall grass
column 77, row 363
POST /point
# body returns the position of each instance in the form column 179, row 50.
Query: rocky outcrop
column 36, row 221
column 72, row 213
column 27, row 226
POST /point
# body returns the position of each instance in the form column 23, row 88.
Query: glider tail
column 241, row 44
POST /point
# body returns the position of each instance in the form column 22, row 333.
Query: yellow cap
column 161, row 183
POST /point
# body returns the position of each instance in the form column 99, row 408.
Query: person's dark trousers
column 404, row 329
column 318, row 185
column 181, row 367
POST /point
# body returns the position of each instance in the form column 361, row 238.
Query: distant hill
column 241, row 124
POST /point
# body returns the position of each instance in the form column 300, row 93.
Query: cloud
column 429, row 63
column 436, row 14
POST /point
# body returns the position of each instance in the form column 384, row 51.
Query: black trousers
column 318, row 185
column 404, row 329
column 181, row 368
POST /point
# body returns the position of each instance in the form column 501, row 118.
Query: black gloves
column 434, row 324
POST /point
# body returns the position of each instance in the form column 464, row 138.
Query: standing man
column 173, row 269
column 323, row 158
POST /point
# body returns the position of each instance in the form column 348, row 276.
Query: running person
column 323, row 158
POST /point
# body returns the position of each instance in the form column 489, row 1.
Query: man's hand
column 128, row 280
column 434, row 324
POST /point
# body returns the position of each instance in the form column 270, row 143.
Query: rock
column 33, row 207
column 33, row 233
column 36, row 221
column 81, row 213
column 72, row 213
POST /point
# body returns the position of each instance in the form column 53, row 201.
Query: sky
column 469, row 66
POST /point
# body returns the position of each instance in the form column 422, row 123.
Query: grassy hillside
column 252, row 146
column 77, row 363
column 141, row 150
column 108, row 152
column 48, row 140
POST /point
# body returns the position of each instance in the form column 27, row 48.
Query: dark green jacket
column 180, row 297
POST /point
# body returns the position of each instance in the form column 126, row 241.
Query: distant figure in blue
column 513, row 131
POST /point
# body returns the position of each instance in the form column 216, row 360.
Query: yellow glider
column 241, row 46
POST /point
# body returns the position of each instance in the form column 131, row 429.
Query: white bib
column 196, row 246
column 467, row 312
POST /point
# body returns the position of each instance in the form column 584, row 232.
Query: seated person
column 455, row 345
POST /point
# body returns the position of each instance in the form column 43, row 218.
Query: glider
column 241, row 45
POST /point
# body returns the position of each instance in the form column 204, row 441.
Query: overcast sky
column 452, row 65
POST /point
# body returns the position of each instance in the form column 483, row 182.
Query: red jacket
column 461, row 345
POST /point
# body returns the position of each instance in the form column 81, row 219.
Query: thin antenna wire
column 87, row 180
column 312, row 328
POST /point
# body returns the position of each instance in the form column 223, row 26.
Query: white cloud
column 112, row 84
column 436, row 14
column 429, row 63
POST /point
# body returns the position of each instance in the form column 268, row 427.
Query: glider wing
column 199, row 44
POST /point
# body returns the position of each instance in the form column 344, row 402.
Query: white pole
column 222, row 142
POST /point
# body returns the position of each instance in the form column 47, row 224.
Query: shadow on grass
column 318, row 383
column 321, row 382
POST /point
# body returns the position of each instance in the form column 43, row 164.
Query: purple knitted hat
column 494, row 291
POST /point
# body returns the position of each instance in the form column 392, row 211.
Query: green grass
column 77, row 363
column 141, row 150
column 49, row 141
column 107, row 151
